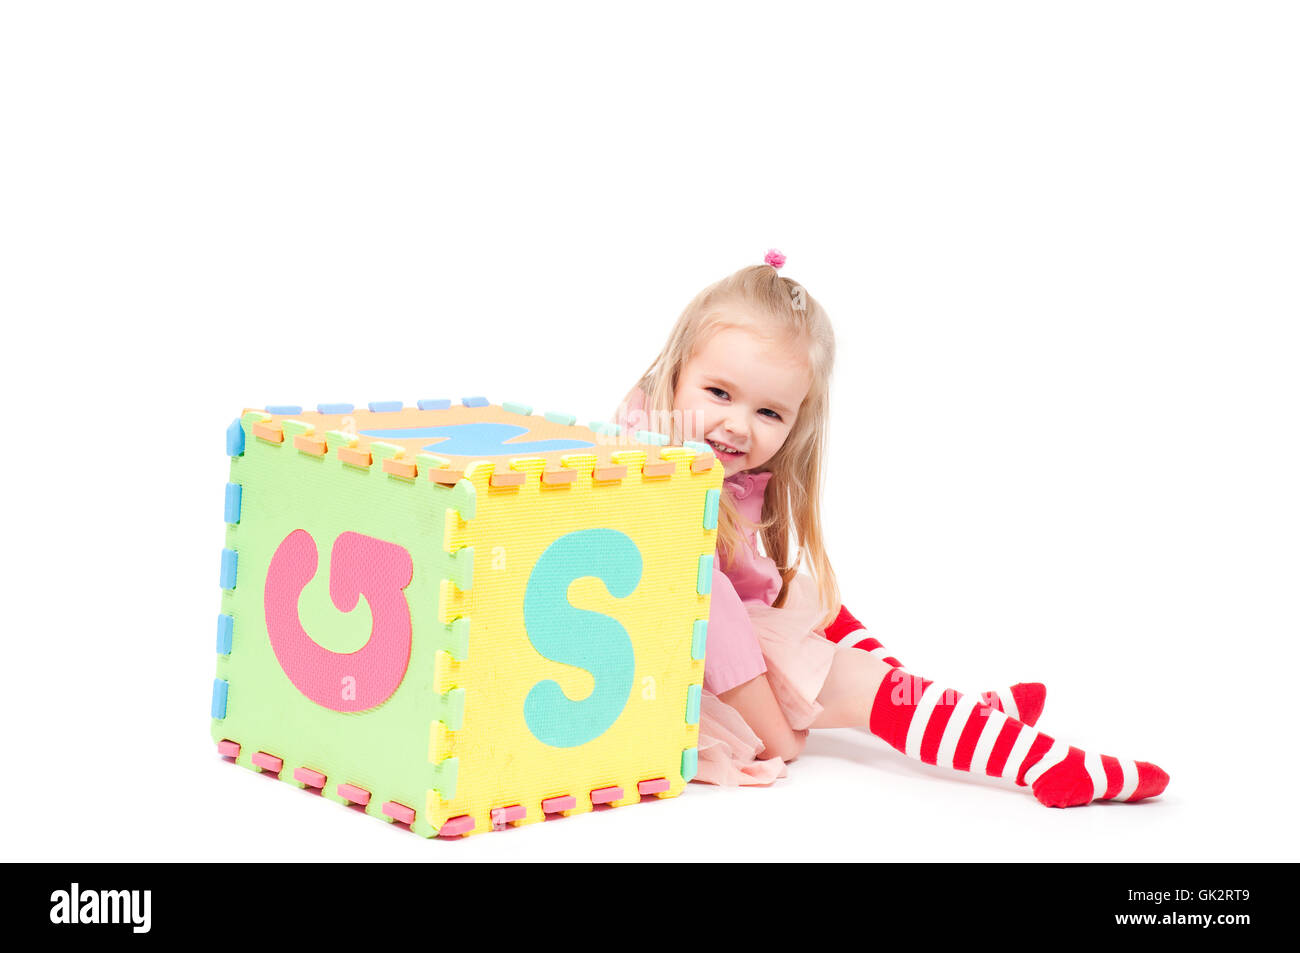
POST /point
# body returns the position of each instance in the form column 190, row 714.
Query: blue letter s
column 579, row 637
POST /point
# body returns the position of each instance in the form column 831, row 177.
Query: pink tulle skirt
column 798, row 659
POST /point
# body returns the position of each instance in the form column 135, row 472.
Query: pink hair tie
column 774, row 258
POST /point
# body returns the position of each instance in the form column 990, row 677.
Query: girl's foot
column 1023, row 701
column 952, row 730
column 1078, row 778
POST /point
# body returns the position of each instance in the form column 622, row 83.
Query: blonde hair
column 784, row 312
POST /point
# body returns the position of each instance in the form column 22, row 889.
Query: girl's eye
column 722, row 394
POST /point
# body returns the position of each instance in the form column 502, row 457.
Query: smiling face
column 741, row 394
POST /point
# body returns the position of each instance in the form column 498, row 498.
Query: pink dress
column 747, row 637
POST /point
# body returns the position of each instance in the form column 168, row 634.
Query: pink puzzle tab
column 605, row 795
column 456, row 825
column 553, row 805
column 268, row 762
column 313, row 779
column 655, row 786
column 228, row 749
column 399, row 812
column 354, row 794
column 501, row 816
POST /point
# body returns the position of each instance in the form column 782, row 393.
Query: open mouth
column 724, row 452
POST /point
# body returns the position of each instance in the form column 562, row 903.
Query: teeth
column 723, row 446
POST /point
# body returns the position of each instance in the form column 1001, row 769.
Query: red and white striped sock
column 1023, row 701
column 951, row 730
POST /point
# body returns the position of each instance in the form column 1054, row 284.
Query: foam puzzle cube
column 463, row 617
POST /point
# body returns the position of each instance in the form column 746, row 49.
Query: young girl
column 747, row 370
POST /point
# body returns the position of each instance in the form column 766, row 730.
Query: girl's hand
column 757, row 704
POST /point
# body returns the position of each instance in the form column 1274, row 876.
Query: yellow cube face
column 556, row 579
column 583, row 616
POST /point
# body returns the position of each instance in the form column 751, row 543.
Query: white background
column 1059, row 244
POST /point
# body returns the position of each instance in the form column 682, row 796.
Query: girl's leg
column 846, row 695
column 1023, row 701
column 943, row 727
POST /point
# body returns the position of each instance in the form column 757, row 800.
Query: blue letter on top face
column 579, row 637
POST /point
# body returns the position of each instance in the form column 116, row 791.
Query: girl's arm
column 757, row 704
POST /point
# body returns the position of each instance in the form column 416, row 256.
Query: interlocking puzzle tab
column 463, row 616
